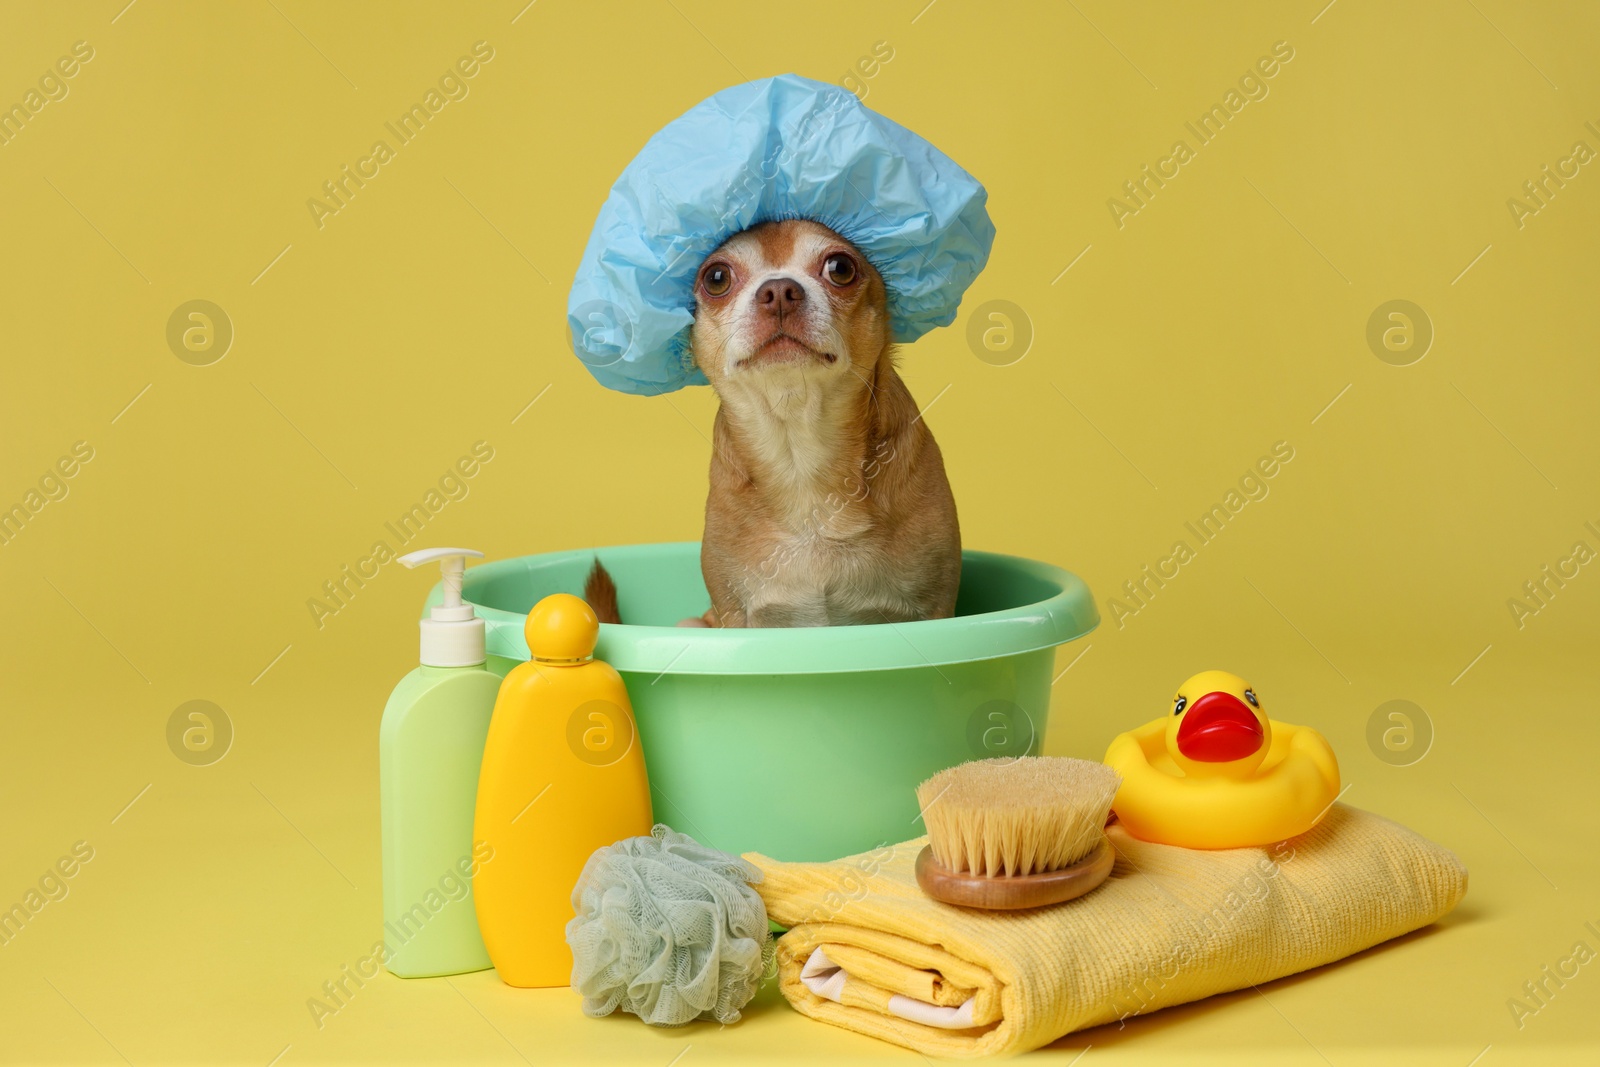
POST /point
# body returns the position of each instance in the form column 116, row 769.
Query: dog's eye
column 717, row 279
column 840, row 270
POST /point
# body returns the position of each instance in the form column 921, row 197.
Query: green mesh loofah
column 668, row 930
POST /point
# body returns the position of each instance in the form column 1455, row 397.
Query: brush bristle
column 1016, row 816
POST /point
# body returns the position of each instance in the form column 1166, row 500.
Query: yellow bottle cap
column 562, row 628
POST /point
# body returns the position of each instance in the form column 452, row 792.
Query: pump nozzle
column 452, row 635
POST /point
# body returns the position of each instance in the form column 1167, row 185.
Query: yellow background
column 370, row 353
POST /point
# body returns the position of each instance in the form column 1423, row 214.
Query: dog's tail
column 601, row 593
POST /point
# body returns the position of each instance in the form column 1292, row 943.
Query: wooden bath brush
column 1005, row 834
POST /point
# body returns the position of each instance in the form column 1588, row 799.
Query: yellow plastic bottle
column 563, row 775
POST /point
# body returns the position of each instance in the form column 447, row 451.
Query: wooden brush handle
column 1011, row 894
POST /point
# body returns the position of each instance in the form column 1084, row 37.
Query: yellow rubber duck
column 1217, row 773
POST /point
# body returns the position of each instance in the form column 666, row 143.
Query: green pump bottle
column 430, row 747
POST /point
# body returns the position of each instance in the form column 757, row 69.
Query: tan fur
column 828, row 502
column 601, row 593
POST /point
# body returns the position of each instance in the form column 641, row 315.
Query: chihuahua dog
column 828, row 503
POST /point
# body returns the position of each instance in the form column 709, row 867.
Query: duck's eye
column 717, row 279
column 840, row 270
column 1179, row 704
column 1250, row 697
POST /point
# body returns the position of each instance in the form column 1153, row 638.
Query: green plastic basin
column 806, row 744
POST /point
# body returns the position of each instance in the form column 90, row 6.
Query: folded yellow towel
column 866, row 949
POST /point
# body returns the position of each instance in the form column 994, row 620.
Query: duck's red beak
column 1219, row 728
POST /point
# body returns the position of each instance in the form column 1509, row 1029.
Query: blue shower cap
column 779, row 148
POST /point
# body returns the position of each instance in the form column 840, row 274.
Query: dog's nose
column 780, row 296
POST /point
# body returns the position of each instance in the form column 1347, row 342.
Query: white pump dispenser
column 452, row 635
